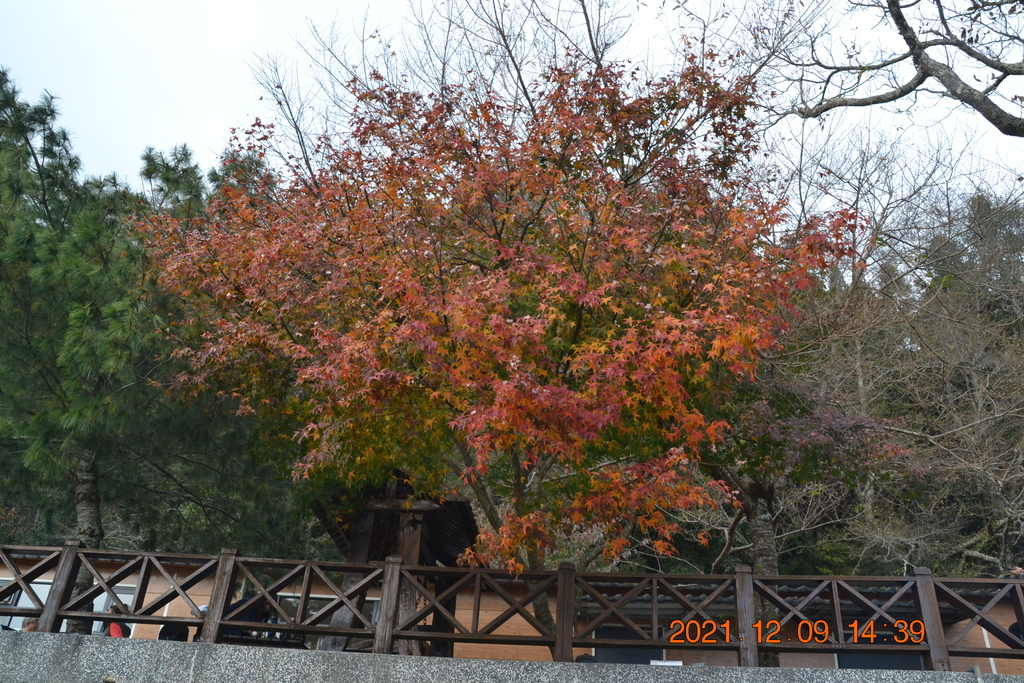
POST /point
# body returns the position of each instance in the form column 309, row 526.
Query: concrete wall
column 62, row 658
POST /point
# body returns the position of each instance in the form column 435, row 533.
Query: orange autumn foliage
column 528, row 297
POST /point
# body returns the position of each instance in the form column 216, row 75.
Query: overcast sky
column 133, row 74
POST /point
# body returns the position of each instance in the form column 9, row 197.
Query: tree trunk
column 765, row 555
column 88, row 518
column 88, row 524
column 542, row 611
column 360, row 538
column 866, row 489
column 764, row 549
column 541, row 604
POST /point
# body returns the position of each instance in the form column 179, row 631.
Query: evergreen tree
column 72, row 333
column 84, row 415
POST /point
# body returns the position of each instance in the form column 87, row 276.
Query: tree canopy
column 566, row 289
column 528, row 296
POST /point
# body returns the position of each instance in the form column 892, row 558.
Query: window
column 890, row 662
column 42, row 589
column 10, row 601
column 624, row 655
column 124, row 594
column 290, row 604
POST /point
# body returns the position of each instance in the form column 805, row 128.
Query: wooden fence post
column 746, row 614
column 410, row 540
column 388, row 613
column 928, row 608
column 220, row 598
column 61, row 588
column 565, row 611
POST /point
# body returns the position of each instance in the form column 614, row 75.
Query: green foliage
column 71, row 330
column 173, row 181
column 84, row 360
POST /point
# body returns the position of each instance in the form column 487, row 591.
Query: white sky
column 132, row 74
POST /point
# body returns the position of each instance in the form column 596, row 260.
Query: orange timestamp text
column 769, row 632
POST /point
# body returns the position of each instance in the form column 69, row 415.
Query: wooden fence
column 427, row 610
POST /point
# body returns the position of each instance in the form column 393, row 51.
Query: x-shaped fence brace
column 410, row 597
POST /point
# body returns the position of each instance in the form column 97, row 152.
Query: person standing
column 116, row 629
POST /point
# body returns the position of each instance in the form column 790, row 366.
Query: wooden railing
column 427, row 610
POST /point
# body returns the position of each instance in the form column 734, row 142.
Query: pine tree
column 84, row 412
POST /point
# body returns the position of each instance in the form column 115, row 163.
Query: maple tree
column 529, row 295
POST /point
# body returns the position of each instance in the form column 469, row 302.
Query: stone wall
column 63, row 658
